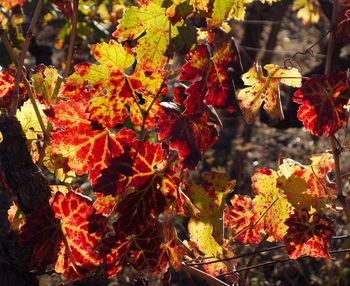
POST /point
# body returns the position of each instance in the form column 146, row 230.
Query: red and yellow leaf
column 149, row 18
column 308, row 234
column 322, row 99
column 6, row 89
column 240, row 218
column 88, row 150
column 210, row 80
column 270, row 204
column 209, row 198
column 78, row 253
column 190, row 135
column 8, row 4
column 265, row 90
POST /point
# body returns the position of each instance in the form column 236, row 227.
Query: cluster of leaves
column 117, row 121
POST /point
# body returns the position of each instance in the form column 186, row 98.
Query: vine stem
column 26, row 83
column 278, row 261
column 258, row 251
column 211, row 280
column 334, row 143
column 22, row 56
column 72, row 39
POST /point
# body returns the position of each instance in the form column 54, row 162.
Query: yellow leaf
column 29, row 121
column 265, row 90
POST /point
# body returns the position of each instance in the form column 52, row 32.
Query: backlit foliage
column 121, row 123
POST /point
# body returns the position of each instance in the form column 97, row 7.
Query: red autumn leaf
column 175, row 252
column 140, row 206
column 322, row 100
column 65, row 6
column 308, row 234
column 209, row 78
column 6, row 89
column 41, row 233
column 132, row 169
column 113, row 95
column 88, row 150
column 145, row 250
column 78, row 253
column 190, row 135
column 240, row 218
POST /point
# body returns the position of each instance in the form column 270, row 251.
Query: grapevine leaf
column 190, row 135
column 179, row 10
column 322, row 100
column 130, row 170
column 6, row 89
column 175, row 252
column 308, row 11
column 149, row 18
column 87, row 150
column 78, row 250
column 145, row 250
column 240, row 219
column 29, row 121
column 237, row 11
column 315, row 176
column 42, row 234
column 209, row 77
column 136, row 207
column 220, row 11
column 265, row 90
column 8, row 4
column 44, row 83
column 270, row 204
column 308, row 234
column 201, row 232
column 110, row 90
column 295, row 187
column 209, row 198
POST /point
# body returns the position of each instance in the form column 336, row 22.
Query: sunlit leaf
column 29, row 120
column 308, row 10
column 190, row 135
column 149, row 18
column 88, row 150
column 322, row 99
column 240, row 218
column 44, row 83
column 270, row 204
column 209, row 77
column 265, row 90
column 308, row 234
column 6, row 89
column 78, row 250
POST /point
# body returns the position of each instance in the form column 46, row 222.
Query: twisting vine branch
column 22, row 56
column 334, row 142
column 72, row 39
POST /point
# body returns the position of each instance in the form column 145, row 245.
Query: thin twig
column 22, row 56
column 72, row 39
column 244, row 277
column 334, row 142
column 249, row 253
column 27, row 85
column 211, row 280
column 278, row 261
